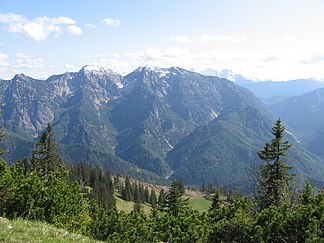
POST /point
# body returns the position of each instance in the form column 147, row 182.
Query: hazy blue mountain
column 270, row 92
column 273, row 92
column 305, row 115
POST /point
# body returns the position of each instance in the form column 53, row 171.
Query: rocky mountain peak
column 97, row 70
column 21, row 76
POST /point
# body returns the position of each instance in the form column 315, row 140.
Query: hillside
column 20, row 230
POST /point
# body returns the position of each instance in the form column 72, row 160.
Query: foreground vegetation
column 82, row 200
column 26, row 231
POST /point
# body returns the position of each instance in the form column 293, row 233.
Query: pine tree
column 137, row 193
column 274, row 173
column 138, row 207
column 127, row 192
column 146, row 195
column 153, row 198
column 1, row 137
column 173, row 202
column 216, row 202
column 161, row 196
column 45, row 157
column 117, row 183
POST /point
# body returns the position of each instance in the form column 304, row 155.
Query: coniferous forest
column 82, row 199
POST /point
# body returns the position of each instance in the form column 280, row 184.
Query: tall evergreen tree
column 137, row 193
column 216, row 202
column 153, row 198
column 161, row 196
column 173, row 201
column 146, row 195
column 45, row 157
column 127, row 192
column 274, row 173
column 1, row 137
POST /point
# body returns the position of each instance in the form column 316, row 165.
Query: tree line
column 81, row 199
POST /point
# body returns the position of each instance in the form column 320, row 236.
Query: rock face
column 154, row 121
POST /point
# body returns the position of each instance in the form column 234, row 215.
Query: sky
column 260, row 39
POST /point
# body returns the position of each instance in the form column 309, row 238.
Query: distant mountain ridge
column 270, row 92
column 153, row 123
column 305, row 115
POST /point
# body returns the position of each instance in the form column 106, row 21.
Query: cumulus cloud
column 75, row 30
column 111, row 22
column 223, row 38
column 62, row 20
column 181, row 39
column 11, row 17
column 40, row 28
column 24, row 60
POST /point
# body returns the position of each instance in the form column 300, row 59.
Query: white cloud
column 111, row 22
column 4, row 60
column 75, row 30
column 254, row 64
column 40, row 28
column 11, row 17
column 24, row 60
column 62, row 20
column 316, row 58
column 70, row 67
column 181, row 39
column 152, row 53
column 89, row 26
column 289, row 37
column 223, row 38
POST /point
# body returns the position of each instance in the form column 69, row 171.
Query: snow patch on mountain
column 98, row 70
column 168, row 143
column 93, row 68
column 214, row 114
column 293, row 135
column 120, row 85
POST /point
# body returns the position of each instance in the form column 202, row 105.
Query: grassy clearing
column 200, row 204
column 27, row 231
column 127, row 207
column 196, row 201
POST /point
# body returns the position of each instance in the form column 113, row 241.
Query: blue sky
column 260, row 39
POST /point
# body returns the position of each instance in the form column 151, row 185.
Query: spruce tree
column 216, row 202
column 146, row 195
column 274, row 173
column 127, row 192
column 173, row 202
column 161, row 196
column 45, row 157
column 153, row 198
column 137, row 193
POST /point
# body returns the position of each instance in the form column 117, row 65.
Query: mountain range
column 154, row 123
column 304, row 114
column 270, row 92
